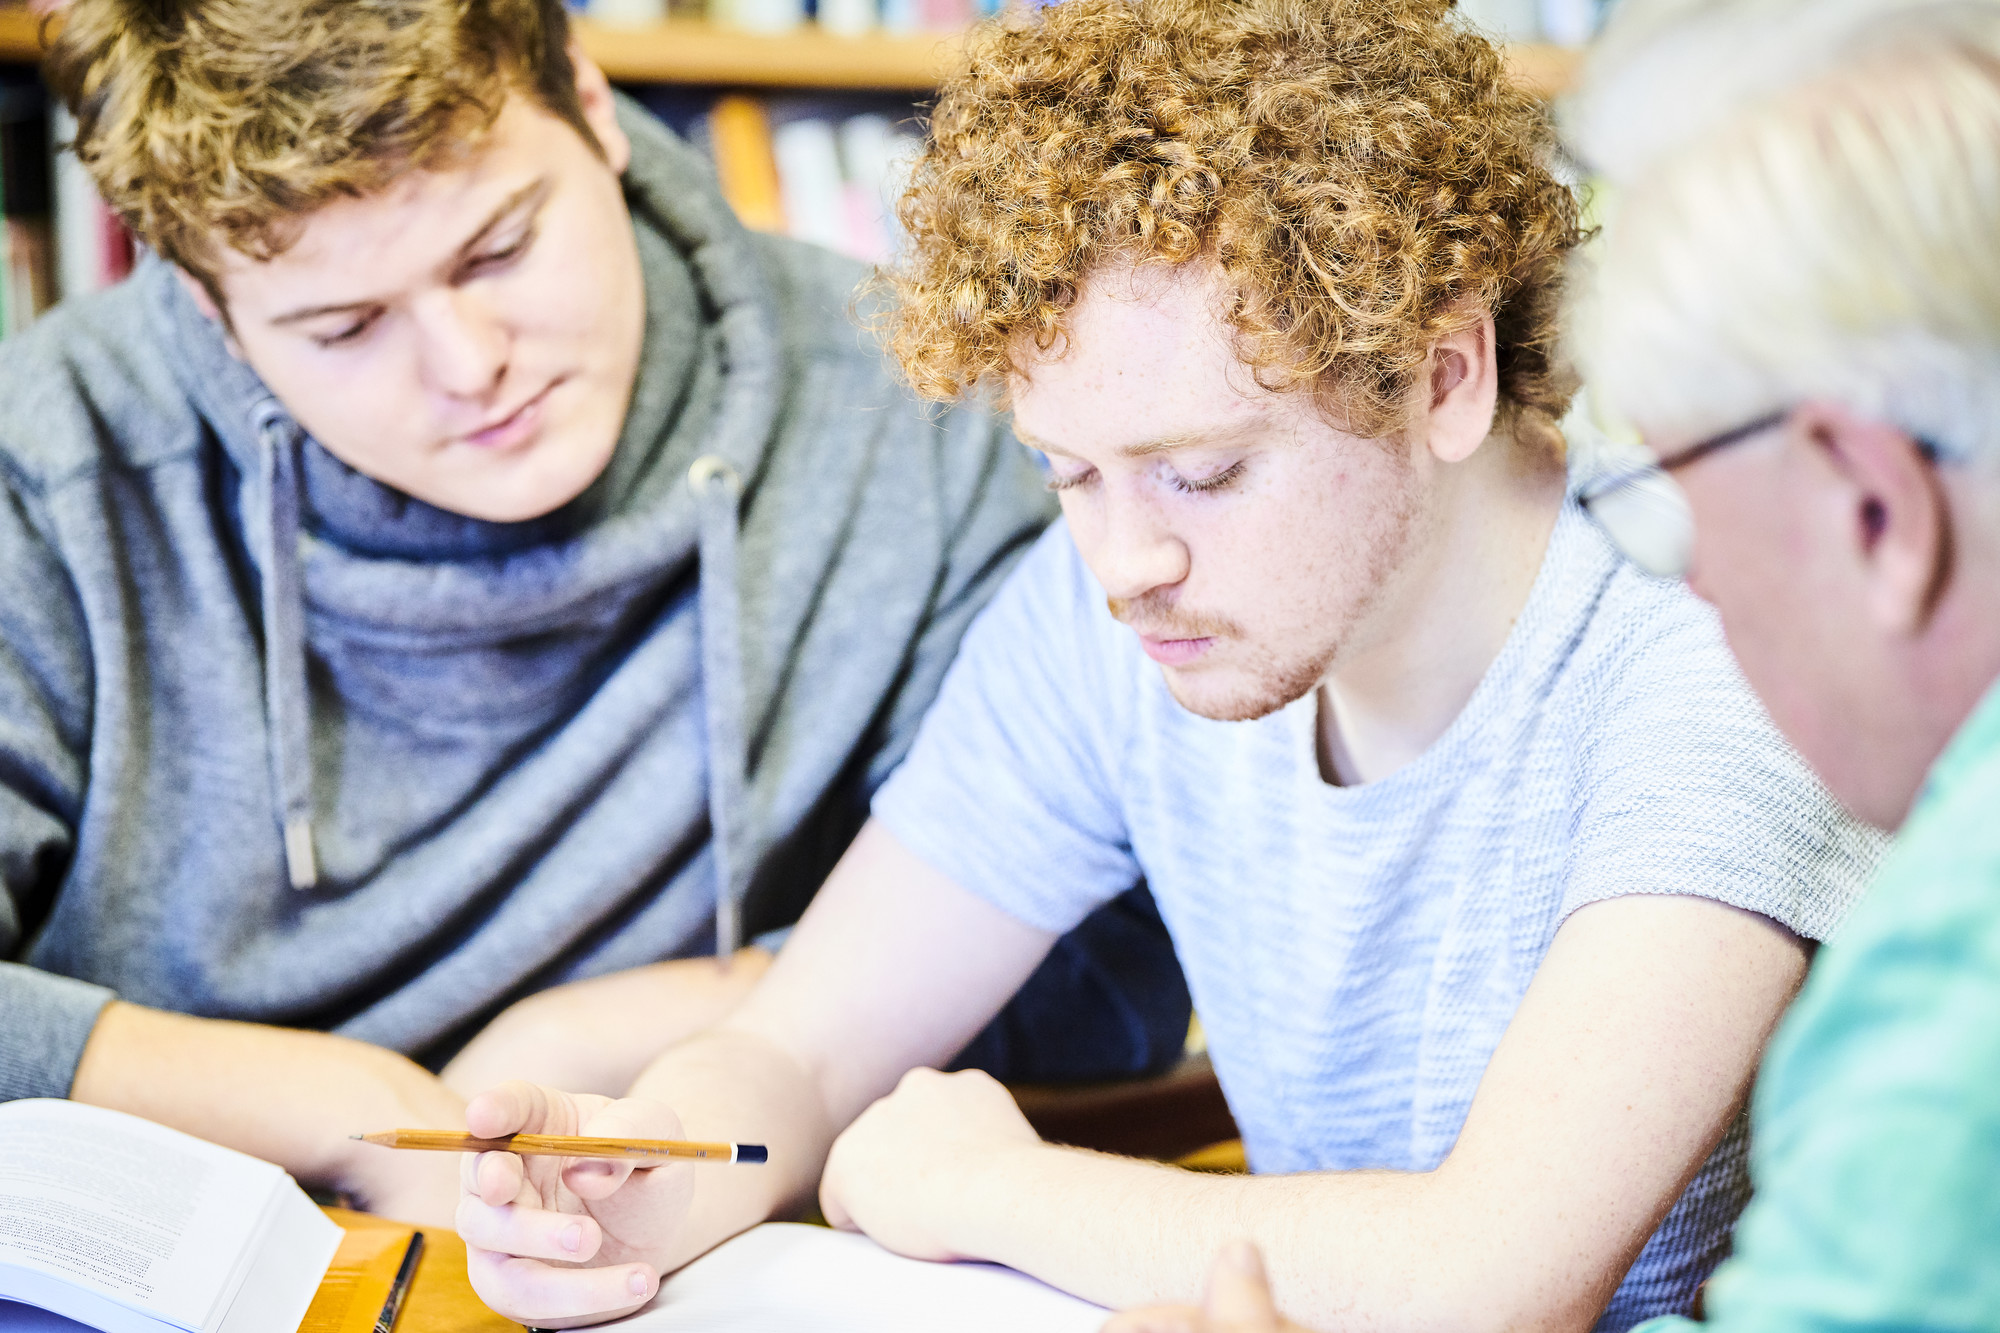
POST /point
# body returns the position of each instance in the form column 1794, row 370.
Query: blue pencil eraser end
column 752, row 1154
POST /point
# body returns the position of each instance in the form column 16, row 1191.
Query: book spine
column 27, row 259
column 809, row 183
column 93, row 248
column 847, row 18
column 8, row 300
column 760, row 15
column 877, row 162
column 626, row 13
column 1504, row 20
column 739, row 131
column 1569, row 22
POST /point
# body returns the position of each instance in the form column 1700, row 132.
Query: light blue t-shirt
column 1356, row 953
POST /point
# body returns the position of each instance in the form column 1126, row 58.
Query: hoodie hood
column 341, row 555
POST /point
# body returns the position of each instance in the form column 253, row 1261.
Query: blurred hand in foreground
column 1239, row 1301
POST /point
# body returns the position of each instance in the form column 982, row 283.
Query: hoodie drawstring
column 288, row 721
column 718, row 491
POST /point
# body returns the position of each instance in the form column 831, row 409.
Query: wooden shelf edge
column 700, row 53
column 694, row 53
column 704, row 54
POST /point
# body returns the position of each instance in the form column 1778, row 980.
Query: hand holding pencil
column 568, row 1231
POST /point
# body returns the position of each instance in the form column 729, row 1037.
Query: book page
column 286, row 1267
column 150, row 1218
column 787, row 1278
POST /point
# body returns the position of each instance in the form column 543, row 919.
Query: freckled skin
column 451, row 346
column 1283, row 565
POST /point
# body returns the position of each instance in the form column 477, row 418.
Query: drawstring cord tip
column 717, row 488
column 300, row 863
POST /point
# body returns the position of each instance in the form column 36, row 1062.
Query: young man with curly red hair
column 1489, row 875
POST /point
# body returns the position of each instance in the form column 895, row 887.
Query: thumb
column 1239, row 1292
column 516, row 1108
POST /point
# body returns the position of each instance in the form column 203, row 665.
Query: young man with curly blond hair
column 1489, row 875
column 461, row 556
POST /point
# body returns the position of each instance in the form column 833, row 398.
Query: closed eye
column 347, row 334
column 1206, row 485
column 1056, row 481
column 498, row 259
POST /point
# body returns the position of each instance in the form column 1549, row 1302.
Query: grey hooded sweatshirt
column 278, row 743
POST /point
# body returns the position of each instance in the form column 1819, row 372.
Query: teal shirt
column 1876, row 1121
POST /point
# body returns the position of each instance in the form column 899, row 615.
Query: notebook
column 787, row 1278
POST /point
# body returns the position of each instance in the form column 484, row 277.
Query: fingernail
column 572, row 1237
column 637, row 1282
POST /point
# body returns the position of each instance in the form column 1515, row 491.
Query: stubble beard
column 1270, row 681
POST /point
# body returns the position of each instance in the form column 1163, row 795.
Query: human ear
column 1893, row 510
column 204, row 301
column 197, row 290
column 1464, row 389
column 600, row 109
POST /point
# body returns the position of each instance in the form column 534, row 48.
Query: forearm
column 285, row 1096
column 1358, row 1250
column 600, row 1035
column 1625, row 1064
column 730, row 1085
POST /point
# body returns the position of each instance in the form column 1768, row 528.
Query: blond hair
column 213, row 123
column 1363, row 172
column 1824, row 229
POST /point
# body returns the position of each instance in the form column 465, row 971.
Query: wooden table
column 441, row 1300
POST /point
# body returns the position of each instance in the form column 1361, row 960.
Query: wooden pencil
column 559, row 1145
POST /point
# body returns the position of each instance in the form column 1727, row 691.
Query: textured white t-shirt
column 1356, row 953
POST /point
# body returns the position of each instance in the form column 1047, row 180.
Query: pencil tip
column 359, row 1138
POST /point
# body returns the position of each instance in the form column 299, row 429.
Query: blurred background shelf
column 1548, row 70
column 18, row 40
column 701, row 53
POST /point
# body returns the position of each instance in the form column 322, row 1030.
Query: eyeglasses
column 1646, row 514
column 1644, row 511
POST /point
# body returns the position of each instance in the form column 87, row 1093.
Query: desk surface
column 441, row 1300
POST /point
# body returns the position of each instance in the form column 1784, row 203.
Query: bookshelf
column 699, row 53
column 18, row 40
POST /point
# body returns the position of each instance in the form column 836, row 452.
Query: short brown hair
column 1364, row 172
column 209, row 122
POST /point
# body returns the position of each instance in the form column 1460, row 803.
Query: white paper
column 786, row 1278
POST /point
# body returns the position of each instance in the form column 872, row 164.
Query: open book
column 129, row 1227
column 786, row 1278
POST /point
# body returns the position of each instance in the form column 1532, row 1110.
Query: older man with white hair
column 1797, row 306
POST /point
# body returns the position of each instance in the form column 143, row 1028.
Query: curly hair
column 1363, row 172
column 210, row 123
